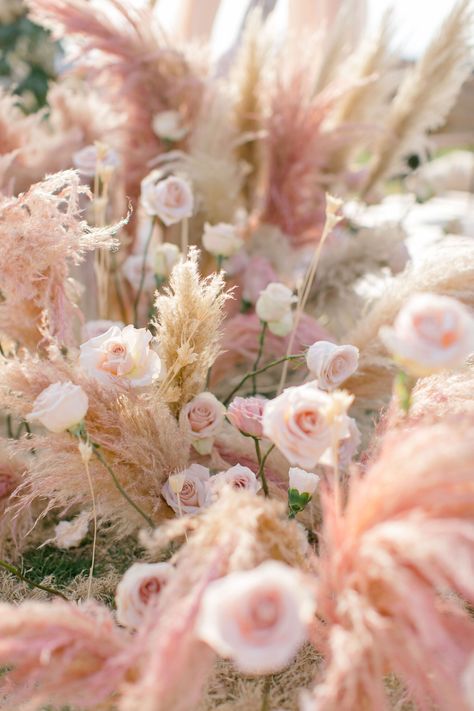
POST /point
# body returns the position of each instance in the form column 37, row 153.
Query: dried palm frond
column 395, row 571
column 189, row 319
column 427, row 93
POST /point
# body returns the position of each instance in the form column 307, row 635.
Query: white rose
column 221, row 240
column 60, row 406
column 91, row 329
column 166, row 256
column 139, row 588
column 258, row 618
column 132, row 269
column 204, row 415
column 274, row 302
column 122, row 354
column 70, row 534
column 93, row 159
column 282, row 327
column 302, row 422
column 237, row 477
column 169, row 125
column 170, row 199
column 192, row 493
column 304, row 482
column 430, row 333
column 331, row 364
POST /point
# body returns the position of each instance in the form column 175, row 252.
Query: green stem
column 266, row 694
column 143, row 273
column 257, row 372
column 101, row 458
column 261, row 465
column 261, row 341
column 10, row 434
column 219, row 261
column 14, row 571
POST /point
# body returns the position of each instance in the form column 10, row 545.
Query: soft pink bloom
column 170, row 199
column 237, row 477
column 430, row 333
column 204, row 415
column 259, row 273
column 133, row 268
column 93, row 159
column 121, row 354
column 331, row 364
column 60, row 406
column 246, row 414
column 257, row 618
column 140, row 587
column 91, row 329
column 301, row 424
column 222, row 240
column 193, row 493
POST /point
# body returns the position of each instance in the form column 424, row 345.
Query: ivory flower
column 283, row 326
column 221, row 240
column 132, row 269
column 93, row 159
column 193, row 493
column 257, row 618
column 91, row 329
column 121, row 354
column 331, row 364
column 169, row 125
column 302, row 423
column 274, row 302
column 70, row 534
column 304, row 482
column 430, row 333
column 166, row 256
column 246, row 414
column 138, row 589
column 60, row 406
column 204, row 415
column 237, row 477
column 170, row 199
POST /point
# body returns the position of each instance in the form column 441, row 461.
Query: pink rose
column 331, row 364
column 170, row 199
column 237, row 477
column 95, row 159
column 204, row 416
column 139, row 588
column 257, row 618
column 259, row 273
column 246, row 414
column 347, row 448
column 91, row 329
column 192, row 493
column 430, row 333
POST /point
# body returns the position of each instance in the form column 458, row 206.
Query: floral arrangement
column 238, row 415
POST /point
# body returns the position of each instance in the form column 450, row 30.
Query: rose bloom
column 170, row 199
column 430, row 333
column 331, row 364
column 303, row 481
column 257, row 618
column 132, row 269
column 60, row 406
column 204, row 415
column 166, row 256
column 139, row 588
column 282, row 327
column 259, row 273
column 221, row 240
column 246, row 414
column 193, row 492
column 91, row 329
column 169, row 125
column 94, row 158
column 237, row 477
column 123, row 354
column 70, row 534
column 274, row 302
column 300, row 423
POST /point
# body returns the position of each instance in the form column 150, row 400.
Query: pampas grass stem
column 142, row 275
column 261, row 342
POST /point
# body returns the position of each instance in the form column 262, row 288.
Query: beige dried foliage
column 189, row 318
column 426, row 94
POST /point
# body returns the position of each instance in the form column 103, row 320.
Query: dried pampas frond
column 427, row 93
column 395, row 571
column 41, row 236
column 188, row 328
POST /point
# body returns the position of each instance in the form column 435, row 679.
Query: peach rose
column 430, row 333
column 258, row 618
column 139, row 588
column 170, row 199
column 121, row 354
column 60, row 406
column 192, row 493
column 204, row 415
column 246, row 414
column 331, row 364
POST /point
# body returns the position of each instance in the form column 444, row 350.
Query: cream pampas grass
column 426, row 94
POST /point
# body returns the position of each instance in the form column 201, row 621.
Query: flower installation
column 237, row 419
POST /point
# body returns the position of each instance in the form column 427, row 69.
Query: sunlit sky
column 416, row 20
